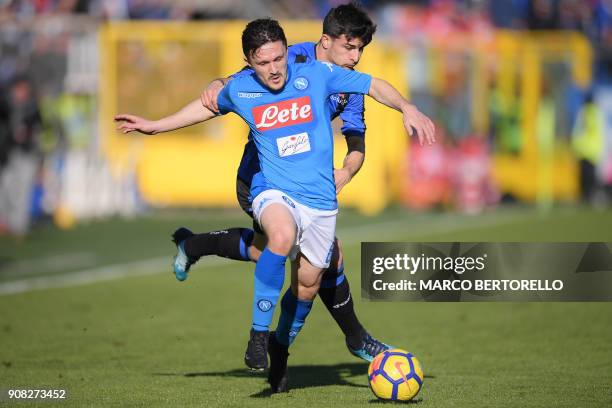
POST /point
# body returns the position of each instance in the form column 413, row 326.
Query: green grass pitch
column 147, row 340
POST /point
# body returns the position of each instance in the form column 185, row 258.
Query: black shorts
column 243, row 191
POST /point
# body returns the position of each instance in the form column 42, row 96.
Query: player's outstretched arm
column 386, row 94
column 189, row 115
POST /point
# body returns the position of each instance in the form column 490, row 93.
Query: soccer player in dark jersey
column 347, row 30
column 286, row 108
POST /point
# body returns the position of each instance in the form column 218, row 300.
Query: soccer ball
column 395, row 375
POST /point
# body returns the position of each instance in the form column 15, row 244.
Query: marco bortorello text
column 501, row 271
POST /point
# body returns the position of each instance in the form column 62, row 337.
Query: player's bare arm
column 211, row 92
column 189, row 115
column 386, row 94
column 353, row 161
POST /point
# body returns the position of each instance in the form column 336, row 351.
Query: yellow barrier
column 152, row 69
column 544, row 169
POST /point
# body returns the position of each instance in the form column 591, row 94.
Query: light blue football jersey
column 350, row 108
column 291, row 128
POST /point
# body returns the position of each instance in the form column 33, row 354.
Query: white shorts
column 316, row 229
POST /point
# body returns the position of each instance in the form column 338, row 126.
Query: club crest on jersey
column 280, row 114
column 300, row 83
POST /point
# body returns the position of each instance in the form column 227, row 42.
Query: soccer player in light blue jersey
column 347, row 30
column 294, row 195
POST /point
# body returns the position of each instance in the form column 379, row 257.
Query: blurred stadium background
column 519, row 90
column 521, row 93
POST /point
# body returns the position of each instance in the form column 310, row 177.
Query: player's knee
column 281, row 241
column 307, row 290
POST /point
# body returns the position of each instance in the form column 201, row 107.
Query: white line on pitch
column 381, row 231
column 100, row 274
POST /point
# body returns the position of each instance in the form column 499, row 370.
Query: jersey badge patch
column 300, row 83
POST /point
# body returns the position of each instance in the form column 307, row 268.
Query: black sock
column 339, row 302
column 231, row 243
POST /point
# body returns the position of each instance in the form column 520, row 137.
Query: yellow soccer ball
column 395, row 375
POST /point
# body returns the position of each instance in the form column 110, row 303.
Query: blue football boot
column 182, row 262
column 370, row 348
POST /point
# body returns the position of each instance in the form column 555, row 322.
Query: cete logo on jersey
column 281, row 114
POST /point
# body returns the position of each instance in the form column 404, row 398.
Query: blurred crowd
column 49, row 71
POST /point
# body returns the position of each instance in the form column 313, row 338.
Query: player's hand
column 341, row 177
column 131, row 123
column 415, row 120
column 210, row 94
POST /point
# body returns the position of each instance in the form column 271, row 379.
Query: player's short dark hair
column 259, row 32
column 350, row 20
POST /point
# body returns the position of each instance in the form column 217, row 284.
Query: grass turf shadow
column 300, row 376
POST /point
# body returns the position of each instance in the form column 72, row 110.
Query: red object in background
column 439, row 175
column 607, row 172
column 472, row 184
column 427, row 179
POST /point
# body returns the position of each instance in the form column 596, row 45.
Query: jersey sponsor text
column 281, row 114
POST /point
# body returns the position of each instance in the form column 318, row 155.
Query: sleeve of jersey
column 224, row 100
column 342, row 80
column 353, row 121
